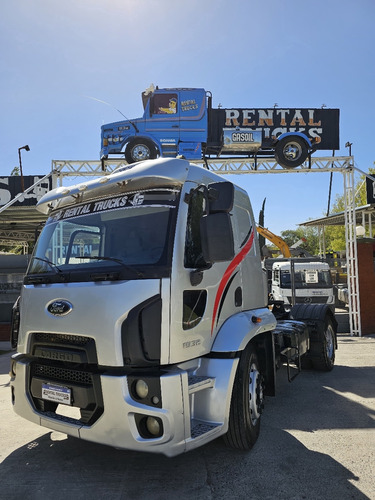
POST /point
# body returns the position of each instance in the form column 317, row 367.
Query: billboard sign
column 11, row 186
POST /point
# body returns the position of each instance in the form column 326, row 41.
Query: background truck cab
column 174, row 123
column 301, row 281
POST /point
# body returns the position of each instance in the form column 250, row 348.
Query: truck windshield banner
column 125, row 200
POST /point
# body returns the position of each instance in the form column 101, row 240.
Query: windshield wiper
column 113, row 259
column 52, row 265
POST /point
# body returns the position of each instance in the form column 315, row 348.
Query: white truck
column 301, row 281
column 143, row 320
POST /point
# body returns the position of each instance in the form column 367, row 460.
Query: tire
column 324, row 359
column 291, row 151
column 139, row 150
column 322, row 330
column 247, row 402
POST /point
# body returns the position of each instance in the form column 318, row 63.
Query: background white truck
column 143, row 321
column 300, row 281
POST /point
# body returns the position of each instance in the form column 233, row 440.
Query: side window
column 243, row 220
column 164, row 104
column 193, row 245
column 83, row 244
column 244, row 225
column 194, row 305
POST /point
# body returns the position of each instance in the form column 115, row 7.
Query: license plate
column 57, row 394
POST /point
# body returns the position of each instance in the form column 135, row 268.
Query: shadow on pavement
column 279, row 467
column 282, row 468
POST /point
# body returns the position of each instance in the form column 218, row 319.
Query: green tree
column 309, row 235
column 15, row 171
column 335, row 235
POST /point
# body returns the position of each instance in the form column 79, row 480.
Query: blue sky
column 250, row 53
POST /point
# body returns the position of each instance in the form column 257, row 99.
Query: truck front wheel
column 139, row 150
column 247, row 402
column 291, row 151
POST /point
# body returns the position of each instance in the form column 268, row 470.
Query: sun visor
column 146, row 174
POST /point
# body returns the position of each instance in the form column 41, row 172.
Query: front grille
column 83, row 347
column 75, row 367
column 319, row 299
column 61, row 374
column 51, row 338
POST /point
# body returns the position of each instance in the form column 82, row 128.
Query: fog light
column 141, row 389
column 153, row 426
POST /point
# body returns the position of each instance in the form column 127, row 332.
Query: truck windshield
column 127, row 236
column 307, row 279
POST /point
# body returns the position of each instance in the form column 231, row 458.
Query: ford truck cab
column 143, row 288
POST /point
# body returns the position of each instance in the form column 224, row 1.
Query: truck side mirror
column 217, row 237
column 220, row 197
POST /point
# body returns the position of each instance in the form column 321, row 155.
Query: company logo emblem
column 307, row 300
column 59, row 307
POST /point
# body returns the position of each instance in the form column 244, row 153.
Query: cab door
column 163, row 121
column 193, row 116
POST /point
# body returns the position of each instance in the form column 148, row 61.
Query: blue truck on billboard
column 182, row 122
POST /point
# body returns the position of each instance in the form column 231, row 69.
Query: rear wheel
column 324, row 358
column 247, row 402
column 291, row 151
column 322, row 330
column 139, row 150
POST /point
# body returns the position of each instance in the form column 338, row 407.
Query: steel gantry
column 226, row 166
column 221, row 166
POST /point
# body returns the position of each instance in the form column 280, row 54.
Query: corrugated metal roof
column 339, row 218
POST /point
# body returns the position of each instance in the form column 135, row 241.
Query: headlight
column 149, row 427
column 141, row 389
column 154, row 426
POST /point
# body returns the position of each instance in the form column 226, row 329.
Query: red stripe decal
column 228, row 273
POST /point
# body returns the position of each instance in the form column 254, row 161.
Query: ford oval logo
column 59, row 307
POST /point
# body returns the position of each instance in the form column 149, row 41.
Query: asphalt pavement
column 317, row 441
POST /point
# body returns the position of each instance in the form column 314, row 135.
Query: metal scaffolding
column 351, row 252
column 221, row 166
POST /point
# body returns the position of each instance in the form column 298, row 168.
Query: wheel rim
column 255, row 394
column 330, row 345
column 292, row 151
column 141, row 152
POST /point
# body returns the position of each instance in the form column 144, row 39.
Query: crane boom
column 276, row 240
